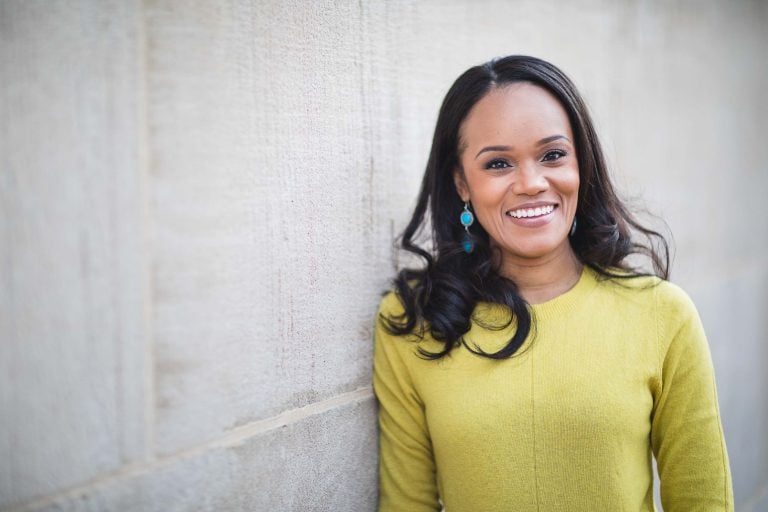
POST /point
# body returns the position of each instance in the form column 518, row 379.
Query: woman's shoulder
column 391, row 316
column 391, row 304
column 661, row 294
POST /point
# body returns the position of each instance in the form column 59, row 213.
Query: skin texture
column 516, row 151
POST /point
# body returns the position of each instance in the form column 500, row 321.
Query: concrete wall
column 198, row 200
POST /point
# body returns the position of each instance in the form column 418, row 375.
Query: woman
column 528, row 365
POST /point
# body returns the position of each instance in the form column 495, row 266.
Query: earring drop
column 467, row 219
column 573, row 227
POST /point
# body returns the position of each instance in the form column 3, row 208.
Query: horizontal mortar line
column 239, row 434
column 232, row 438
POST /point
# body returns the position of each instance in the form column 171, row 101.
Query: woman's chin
column 536, row 250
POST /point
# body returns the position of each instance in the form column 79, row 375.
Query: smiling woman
column 528, row 365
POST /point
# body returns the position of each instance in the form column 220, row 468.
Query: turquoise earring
column 467, row 219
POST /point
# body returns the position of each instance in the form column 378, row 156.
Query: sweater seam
column 659, row 383
column 659, row 363
column 533, row 431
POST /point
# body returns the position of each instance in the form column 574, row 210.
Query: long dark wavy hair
column 441, row 296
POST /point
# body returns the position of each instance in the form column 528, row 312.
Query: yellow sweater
column 617, row 371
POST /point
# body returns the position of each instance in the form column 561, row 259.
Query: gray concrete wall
column 197, row 206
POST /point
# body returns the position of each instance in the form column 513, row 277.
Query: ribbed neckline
column 565, row 303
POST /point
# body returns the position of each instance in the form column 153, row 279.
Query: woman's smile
column 532, row 211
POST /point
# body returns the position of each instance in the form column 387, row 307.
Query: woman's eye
column 553, row 155
column 497, row 164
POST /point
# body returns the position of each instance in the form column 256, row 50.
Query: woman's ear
column 461, row 185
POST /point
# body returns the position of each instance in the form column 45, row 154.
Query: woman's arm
column 686, row 433
column 406, row 463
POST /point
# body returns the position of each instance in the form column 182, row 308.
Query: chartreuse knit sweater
column 617, row 370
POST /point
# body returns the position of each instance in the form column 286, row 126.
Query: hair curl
column 441, row 297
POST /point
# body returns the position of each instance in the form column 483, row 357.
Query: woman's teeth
column 531, row 212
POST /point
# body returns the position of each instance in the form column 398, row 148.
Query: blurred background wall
column 198, row 201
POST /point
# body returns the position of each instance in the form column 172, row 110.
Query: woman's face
column 520, row 172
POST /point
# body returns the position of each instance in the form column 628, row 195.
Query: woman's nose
column 529, row 180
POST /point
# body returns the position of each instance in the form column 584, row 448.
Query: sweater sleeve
column 406, row 462
column 686, row 433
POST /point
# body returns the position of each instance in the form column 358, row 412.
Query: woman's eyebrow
column 545, row 140
column 493, row 148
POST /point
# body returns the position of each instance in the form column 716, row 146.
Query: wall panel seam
column 233, row 438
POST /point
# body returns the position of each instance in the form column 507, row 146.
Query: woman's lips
column 536, row 211
column 532, row 216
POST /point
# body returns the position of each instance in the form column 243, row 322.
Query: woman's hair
column 441, row 296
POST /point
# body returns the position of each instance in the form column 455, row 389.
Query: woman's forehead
column 520, row 112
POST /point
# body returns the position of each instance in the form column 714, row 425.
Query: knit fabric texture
column 616, row 371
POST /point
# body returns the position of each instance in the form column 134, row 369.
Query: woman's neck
column 544, row 279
